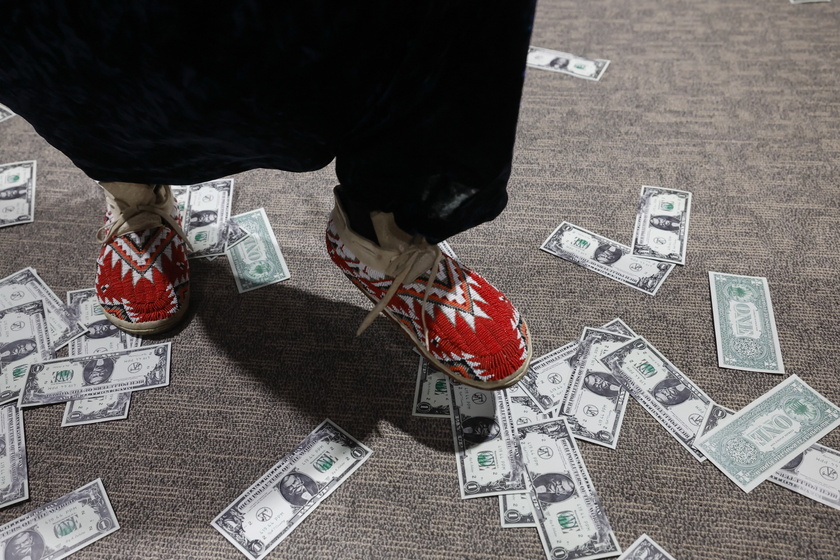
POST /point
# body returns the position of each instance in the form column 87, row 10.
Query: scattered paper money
column 661, row 231
column 486, row 447
column 5, row 113
column 24, row 340
column 262, row 516
column 595, row 401
column 769, row 432
column 745, row 327
column 662, row 389
column 61, row 527
column 606, row 257
column 645, row 548
column 17, row 193
column 431, row 396
column 25, row 286
column 74, row 378
column 102, row 336
column 814, row 473
column 256, row 261
column 556, row 61
column 569, row 515
column 14, row 478
column 515, row 511
column 549, row 375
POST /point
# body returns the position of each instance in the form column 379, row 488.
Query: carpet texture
column 736, row 102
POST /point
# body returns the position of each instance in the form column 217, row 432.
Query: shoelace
column 125, row 211
column 409, row 258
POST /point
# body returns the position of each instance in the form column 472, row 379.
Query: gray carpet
column 736, row 102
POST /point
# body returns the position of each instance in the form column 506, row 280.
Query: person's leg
column 433, row 159
column 436, row 148
column 143, row 93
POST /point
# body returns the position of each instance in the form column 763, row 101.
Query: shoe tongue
column 399, row 247
column 130, row 196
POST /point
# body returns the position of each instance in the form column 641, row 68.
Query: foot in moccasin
column 142, row 274
column 463, row 325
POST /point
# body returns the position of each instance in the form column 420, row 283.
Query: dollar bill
column 548, row 377
column 207, row 209
column 515, row 511
column 256, row 261
column 595, row 401
column 814, row 473
column 486, row 447
column 262, row 516
column 24, row 340
column 569, row 515
column 769, row 432
column 102, row 336
column 745, row 327
column 431, row 395
column 662, row 389
column 81, row 377
column 14, row 478
column 17, row 193
column 234, row 233
column 565, row 63
column 661, row 231
column 5, row 113
column 606, row 257
column 645, row 548
column 25, row 286
column 60, row 528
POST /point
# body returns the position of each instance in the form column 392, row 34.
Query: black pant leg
column 437, row 147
